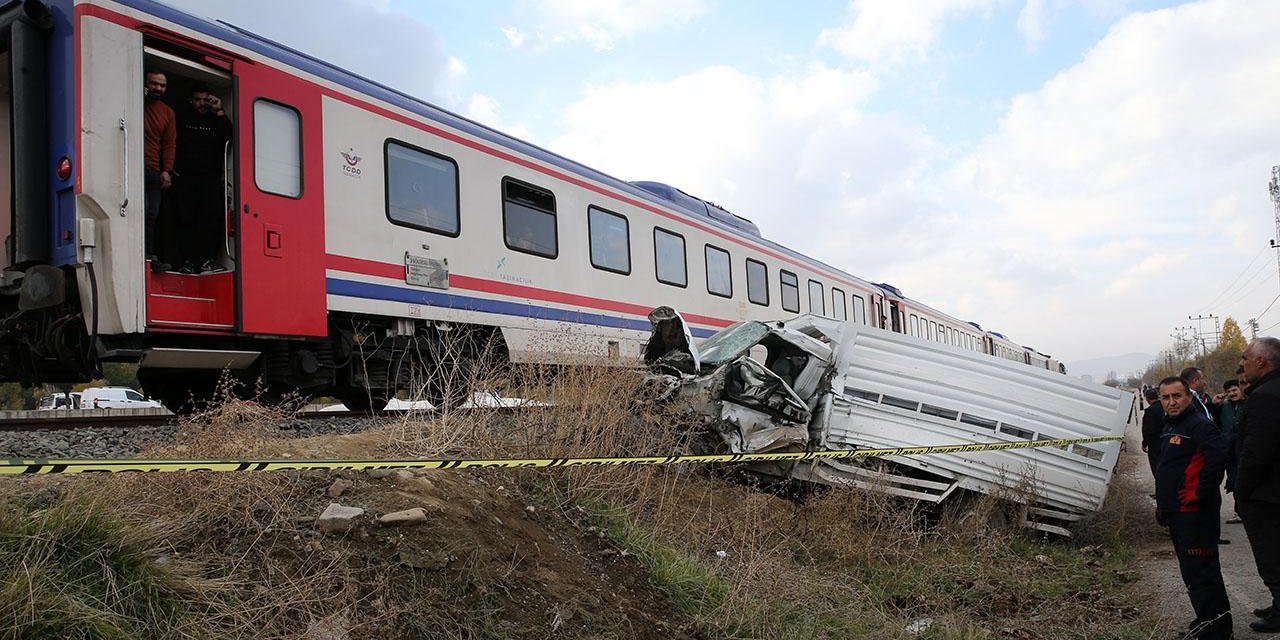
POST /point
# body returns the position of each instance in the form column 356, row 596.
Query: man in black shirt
column 1257, row 486
column 203, row 131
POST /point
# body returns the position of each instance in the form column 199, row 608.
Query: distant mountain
column 1124, row 366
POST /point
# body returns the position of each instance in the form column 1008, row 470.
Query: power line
column 1263, row 270
column 1234, row 280
column 1264, row 311
column 1246, row 294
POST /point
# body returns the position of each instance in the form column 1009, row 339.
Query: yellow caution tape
column 40, row 466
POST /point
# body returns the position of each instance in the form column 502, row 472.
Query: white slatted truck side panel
column 894, row 390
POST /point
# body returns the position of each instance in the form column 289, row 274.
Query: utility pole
column 1181, row 344
column 1253, row 328
column 1200, row 333
column 1273, row 188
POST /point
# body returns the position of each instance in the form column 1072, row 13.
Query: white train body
column 363, row 227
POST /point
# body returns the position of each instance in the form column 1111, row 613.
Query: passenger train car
column 364, row 229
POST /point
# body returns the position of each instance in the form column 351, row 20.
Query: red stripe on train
column 470, row 283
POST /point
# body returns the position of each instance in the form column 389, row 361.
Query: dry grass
column 734, row 561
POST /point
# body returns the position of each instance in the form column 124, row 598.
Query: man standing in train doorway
column 159, row 139
column 1192, row 460
column 1257, row 485
column 203, row 131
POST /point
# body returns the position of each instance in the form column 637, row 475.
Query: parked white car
column 115, row 398
column 59, row 402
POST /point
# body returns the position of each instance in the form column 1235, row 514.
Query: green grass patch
column 692, row 588
column 70, row 571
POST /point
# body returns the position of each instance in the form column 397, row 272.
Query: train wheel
column 361, row 399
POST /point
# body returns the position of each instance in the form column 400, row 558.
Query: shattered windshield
column 732, row 342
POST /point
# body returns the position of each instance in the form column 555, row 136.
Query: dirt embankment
column 572, row 553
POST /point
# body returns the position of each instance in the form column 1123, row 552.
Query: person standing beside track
column 1192, row 459
column 1198, row 384
column 1229, row 420
column 1152, row 425
column 1257, row 487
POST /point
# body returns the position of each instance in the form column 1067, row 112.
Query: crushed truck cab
column 814, row 383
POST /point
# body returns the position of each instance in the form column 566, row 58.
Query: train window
column 277, row 148
column 719, row 272
column 422, row 189
column 610, row 238
column 950, row 337
column 529, row 219
column 816, row 302
column 757, row 282
column 915, row 325
column 838, row 309
column 933, row 331
column 859, row 310
column 790, row 291
column 669, row 258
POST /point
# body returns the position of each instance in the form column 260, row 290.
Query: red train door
column 280, row 217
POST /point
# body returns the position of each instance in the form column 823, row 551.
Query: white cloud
column 1141, row 165
column 363, row 36
column 487, row 111
column 891, row 30
column 1031, row 23
column 515, row 37
column 1163, row 132
column 600, row 23
column 777, row 150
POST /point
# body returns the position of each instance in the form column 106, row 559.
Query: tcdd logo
column 352, row 160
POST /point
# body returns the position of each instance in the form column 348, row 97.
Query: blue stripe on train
column 353, row 289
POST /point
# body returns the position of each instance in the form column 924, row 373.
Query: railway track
column 42, row 420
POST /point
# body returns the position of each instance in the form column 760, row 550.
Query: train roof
column 894, row 292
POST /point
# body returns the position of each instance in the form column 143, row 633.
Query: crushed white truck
column 813, row 383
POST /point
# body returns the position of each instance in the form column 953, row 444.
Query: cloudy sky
column 1081, row 175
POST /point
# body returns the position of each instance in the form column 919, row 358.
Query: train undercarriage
column 364, row 361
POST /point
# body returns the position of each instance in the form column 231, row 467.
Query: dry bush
column 244, row 528
column 1128, row 512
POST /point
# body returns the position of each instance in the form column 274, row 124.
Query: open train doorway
column 190, row 167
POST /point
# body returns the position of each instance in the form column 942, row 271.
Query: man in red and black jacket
column 1192, row 459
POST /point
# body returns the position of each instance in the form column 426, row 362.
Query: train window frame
column 706, row 263
column 782, row 289
column 763, row 288
column 301, row 177
column 821, row 297
column 915, row 325
column 591, row 245
column 842, row 306
column 684, row 258
column 555, row 218
column 859, row 305
column 386, row 185
column 933, row 330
